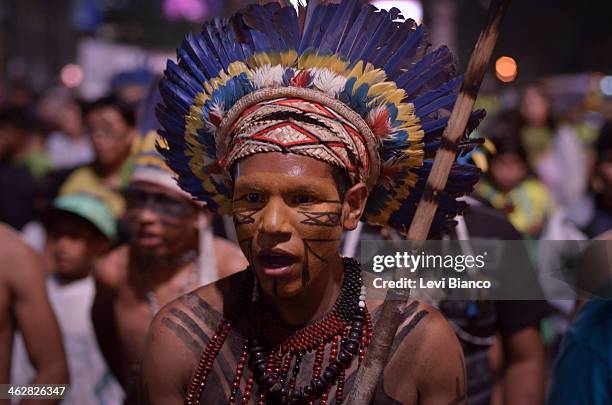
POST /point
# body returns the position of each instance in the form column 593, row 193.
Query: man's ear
column 353, row 206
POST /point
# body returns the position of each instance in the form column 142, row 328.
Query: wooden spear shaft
column 396, row 300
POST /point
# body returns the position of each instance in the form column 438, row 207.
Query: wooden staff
column 396, row 300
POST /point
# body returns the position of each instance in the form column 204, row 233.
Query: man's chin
column 281, row 282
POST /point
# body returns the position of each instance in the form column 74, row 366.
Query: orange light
column 71, row 75
column 506, row 69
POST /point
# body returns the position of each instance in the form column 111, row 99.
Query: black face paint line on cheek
column 329, row 219
column 305, row 268
column 244, row 217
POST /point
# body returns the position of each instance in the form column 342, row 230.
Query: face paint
column 288, row 207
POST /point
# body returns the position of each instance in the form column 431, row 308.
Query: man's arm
column 427, row 366
column 524, row 378
column 35, row 318
column 166, row 365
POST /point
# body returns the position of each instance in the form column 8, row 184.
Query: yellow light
column 506, row 69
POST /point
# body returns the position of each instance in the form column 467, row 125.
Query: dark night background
column 546, row 37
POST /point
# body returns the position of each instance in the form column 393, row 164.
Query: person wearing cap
column 171, row 250
column 80, row 229
column 24, row 308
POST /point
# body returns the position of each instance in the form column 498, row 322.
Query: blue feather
column 407, row 50
column 402, row 31
column 452, row 87
column 335, row 33
column 188, row 64
column 287, row 25
column 174, row 97
column 212, row 38
column 379, row 33
column 310, row 27
column 196, row 46
column 433, row 68
column 318, row 32
column 439, row 104
column 357, row 29
column 182, row 79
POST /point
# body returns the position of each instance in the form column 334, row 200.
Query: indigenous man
column 24, row 307
column 158, row 264
column 300, row 135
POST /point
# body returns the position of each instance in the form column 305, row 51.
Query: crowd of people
column 98, row 237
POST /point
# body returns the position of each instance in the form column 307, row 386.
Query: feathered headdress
column 357, row 87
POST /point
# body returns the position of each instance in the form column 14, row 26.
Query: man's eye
column 303, row 199
column 253, row 197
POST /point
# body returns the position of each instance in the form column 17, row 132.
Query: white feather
column 327, row 81
column 268, row 76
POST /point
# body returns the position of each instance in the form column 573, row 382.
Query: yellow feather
column 258, row 60
column 200, row 99
column 357, row 70
column 381, row 88
column 237, row 68
column 289, row 58
column 370, row 78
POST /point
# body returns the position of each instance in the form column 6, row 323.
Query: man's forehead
column 287, row 164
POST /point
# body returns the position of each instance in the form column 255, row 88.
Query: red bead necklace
column 268, row 367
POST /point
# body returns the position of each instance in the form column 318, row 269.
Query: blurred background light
column 506, row 69
column 71, row 75
column 190, row 10
column 606, row 85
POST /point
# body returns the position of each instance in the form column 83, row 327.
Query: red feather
column 215, row 119
column 301, row 79
column 380, row 124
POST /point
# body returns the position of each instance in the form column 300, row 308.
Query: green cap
column 90, row 208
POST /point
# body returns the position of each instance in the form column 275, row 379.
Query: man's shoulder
column 185, row 325
column 218, row 297
column 19, row 261
column 423, row 330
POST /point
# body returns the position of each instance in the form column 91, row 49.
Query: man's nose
column 274, row 218
column 146, row 213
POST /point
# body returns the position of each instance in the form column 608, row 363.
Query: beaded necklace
column 271, row 356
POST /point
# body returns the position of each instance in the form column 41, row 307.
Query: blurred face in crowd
column 535, row 106
column 111, row 136
column 508, row 170
column 162, row 222
column 289, row 218
column 72, row 245
column 71, row 123
column 63, row 113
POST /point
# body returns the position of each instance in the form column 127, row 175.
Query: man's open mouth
column 276, row 262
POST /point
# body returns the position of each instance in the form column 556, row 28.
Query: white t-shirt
column 91, row 381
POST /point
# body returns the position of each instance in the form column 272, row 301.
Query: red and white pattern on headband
column 306, row 128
